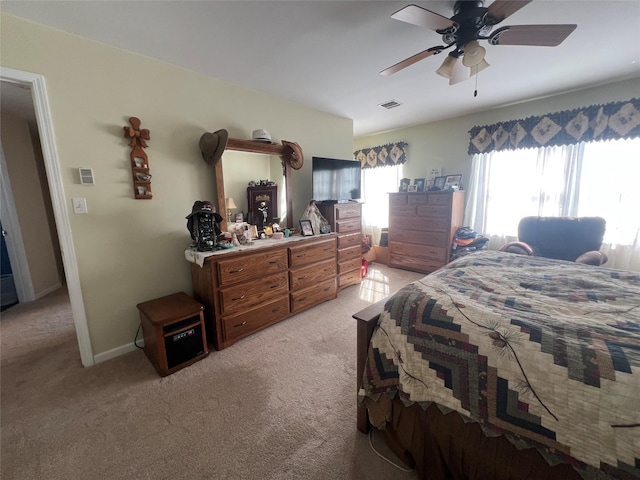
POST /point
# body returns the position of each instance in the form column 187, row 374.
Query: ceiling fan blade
column 459, row 74
column 534, row 35
column 501, row 9
column 411, row 60
column 422, row 17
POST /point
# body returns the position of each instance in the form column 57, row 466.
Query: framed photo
column 412, row 188
column 306, row 227
column 452, row 182
column 239, row 218
column 438, row 183
column 419, row 183
column 404, row 185
column 268, row 230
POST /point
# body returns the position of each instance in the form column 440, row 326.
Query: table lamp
column 231, row 205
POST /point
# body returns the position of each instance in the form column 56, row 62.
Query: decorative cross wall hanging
column 138, row 157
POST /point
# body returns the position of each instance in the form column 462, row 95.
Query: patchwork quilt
column 533, row 348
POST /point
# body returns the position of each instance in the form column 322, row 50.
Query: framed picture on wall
column 419, row 183
column 452, row 182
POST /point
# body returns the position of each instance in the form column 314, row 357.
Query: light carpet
column 280, row 404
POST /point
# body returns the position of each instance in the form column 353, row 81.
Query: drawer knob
column 236, row 271
column 240, row 297
column 241, row 324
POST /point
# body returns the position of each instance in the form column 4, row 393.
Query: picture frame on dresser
column 452, row 181
column 404, row 185
column 412, row 188
column 306, row 228
column 419, row 183
column 438, row 183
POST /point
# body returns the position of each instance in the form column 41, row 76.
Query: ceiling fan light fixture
column 473, row 54
column 446, row 69
column 478, row 68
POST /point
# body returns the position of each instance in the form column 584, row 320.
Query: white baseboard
column 47, row 291
column 116, row 352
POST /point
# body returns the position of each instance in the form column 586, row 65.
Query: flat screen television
column 335, row 180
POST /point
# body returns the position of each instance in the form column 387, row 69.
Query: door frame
column 58, row 200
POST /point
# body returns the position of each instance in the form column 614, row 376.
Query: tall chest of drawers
column 346, row 220
column 421, row 228
column 246, row 290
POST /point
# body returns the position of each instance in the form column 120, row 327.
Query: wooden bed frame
column 472, row 456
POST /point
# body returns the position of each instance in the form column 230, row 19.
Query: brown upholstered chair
column 575, row 239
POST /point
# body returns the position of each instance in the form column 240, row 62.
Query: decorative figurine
column 202, row 224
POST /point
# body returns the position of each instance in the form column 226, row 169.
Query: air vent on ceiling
column 390, row 104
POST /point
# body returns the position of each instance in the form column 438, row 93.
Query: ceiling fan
column 470, row 23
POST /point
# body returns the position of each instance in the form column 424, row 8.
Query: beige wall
column 128, row 250
column 444, row 144
column 31, row 207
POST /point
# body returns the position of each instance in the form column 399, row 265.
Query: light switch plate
column 79, row 205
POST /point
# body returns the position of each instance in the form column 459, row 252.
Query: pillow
column 592, row 258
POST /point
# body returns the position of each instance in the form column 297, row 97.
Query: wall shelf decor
column 139, row 160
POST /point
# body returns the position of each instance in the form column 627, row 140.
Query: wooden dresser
column 247, row 289
column 421, row 228
column 346, row 220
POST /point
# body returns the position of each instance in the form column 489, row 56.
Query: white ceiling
column 327, row 55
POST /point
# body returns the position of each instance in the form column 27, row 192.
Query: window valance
column 383, row 155
column 598, row 122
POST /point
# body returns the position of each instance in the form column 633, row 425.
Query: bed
column 505, row 366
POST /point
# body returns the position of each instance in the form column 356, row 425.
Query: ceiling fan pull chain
column 475, row 92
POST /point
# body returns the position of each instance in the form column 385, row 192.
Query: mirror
column 242, row 167
column 278, row 156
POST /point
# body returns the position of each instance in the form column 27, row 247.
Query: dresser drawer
column 251, row 294
column 418, row 199
column 422, row 224
column 442, row 211
column 348, row 210
column 350, row 240
column 245, row 268
column 350, row 265
column 398, row 199
column 245, row 323
column 351, row 278
column 437, row 239
column 350, row 253
column 310, row 296
column 311, row 275
column 304, row 255
column 416, row 264
column 408, row 210
column 440, row 198
column 418, row 251
column 346, row 226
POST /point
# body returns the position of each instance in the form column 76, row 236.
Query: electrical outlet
column 79, row 205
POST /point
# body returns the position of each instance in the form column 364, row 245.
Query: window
column 588, row 179
column 377, row 183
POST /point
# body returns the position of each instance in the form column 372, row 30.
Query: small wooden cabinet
column 246, row 291
column 346, row 220
column 262, row 204
column 421, row 228
column 174, row 332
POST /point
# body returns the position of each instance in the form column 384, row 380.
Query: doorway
column 40, row 104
